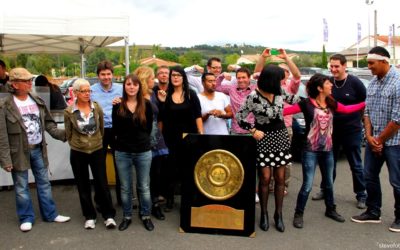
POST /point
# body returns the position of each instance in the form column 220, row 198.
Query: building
column 366, row 44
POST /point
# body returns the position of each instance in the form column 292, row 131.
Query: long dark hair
column 140, row 111
column 185, row 83
column 42, row 81
column 270, row 79
column 316, row 81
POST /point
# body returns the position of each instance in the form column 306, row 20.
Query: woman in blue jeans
column 318, row 111
column 132, row 122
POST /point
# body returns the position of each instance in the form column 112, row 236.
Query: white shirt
column 214, row 125
column 29, row 111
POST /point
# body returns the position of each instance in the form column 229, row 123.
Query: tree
column 324, row 58
column 232, row 58
column 168, row 56
column 190, row 58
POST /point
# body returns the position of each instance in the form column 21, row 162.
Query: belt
column 34, row 146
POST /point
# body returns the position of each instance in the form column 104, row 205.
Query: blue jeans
column 373, row 166
column 23, row 197
column 125, row 163
column 351, row 144
column 309, row 164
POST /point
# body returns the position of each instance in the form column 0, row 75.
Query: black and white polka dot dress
column 274, row 149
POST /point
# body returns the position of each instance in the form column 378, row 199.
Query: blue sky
column 288, row 24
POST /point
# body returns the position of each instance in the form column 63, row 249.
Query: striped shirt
column 383, row 104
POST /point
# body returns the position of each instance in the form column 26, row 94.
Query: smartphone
column 274, row 52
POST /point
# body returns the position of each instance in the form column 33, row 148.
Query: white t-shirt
column 214, row 125
column 29, row 111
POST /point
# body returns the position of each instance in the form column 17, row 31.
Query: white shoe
column 26, row 226
column 257, row 199
column 61, row 219
column 90, row 224
column 110, row 223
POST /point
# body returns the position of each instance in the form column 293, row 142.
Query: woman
column 158, row 148
column 318, row 111
column 273, row 145
column 180, row 113
column 132, row 121
column 84, row 128
column 57, row 100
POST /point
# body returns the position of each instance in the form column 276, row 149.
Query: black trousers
column 158, row 173
column 109, row 141
column 80, row 163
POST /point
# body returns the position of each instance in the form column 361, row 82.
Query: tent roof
column 53, row 34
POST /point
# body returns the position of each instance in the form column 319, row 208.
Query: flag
column 390, row 36
column 325, row 30
column 358, row 33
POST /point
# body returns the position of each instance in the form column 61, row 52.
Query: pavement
column 319, row 232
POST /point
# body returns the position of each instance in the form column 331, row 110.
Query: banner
column 325, row 31
column 390, row 37
column 358, row 33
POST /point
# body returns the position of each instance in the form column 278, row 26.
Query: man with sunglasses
column 24, row 118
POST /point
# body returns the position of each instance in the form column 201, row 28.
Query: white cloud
column 284, row 23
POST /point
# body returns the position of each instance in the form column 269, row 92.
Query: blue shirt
column 383, row 104
column 105, row 98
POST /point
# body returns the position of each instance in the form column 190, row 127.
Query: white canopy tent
column 77, row 33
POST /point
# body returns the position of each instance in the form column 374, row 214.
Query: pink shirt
column 238, row 97
column 291, row 86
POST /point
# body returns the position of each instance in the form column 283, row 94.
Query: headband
column 378, row 57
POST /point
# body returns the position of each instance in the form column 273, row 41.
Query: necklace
column 320, row 107
column 334, row 82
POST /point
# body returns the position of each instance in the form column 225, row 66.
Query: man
column 104, row 93
column 238, row 93
column 3, row 74
column 23, row 120
column 215, row 107
column 382, row 124
column 162, row 77
column 290, row 85
column 347, row 129
column 214, row 66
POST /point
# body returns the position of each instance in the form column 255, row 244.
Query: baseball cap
column 19, row 74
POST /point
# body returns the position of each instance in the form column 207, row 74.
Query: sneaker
column 61, row 219
column 257, row 199
column 26, row 227
column 366, row 217
column 90, row 224
column 395, row 227
column 298, row 220
column 331, row 213
column 361, row 204
column 110, row 223
column 318, row 196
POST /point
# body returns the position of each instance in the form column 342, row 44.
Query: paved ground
column 319, row 232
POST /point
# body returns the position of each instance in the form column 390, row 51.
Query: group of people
column 143, row 124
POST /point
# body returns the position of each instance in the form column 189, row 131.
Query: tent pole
column 126, row 55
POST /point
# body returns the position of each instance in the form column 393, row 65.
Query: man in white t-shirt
column 215, row 107
column 24, row 118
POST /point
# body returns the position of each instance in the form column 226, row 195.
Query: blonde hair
column 144, row 73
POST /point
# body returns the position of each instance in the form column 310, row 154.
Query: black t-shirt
column 130, row 135
column 348, row 91
column 4, row 81
column 179, row 118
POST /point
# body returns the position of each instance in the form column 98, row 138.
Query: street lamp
column 369, row 2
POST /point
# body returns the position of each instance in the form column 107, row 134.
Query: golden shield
column 219, row 174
